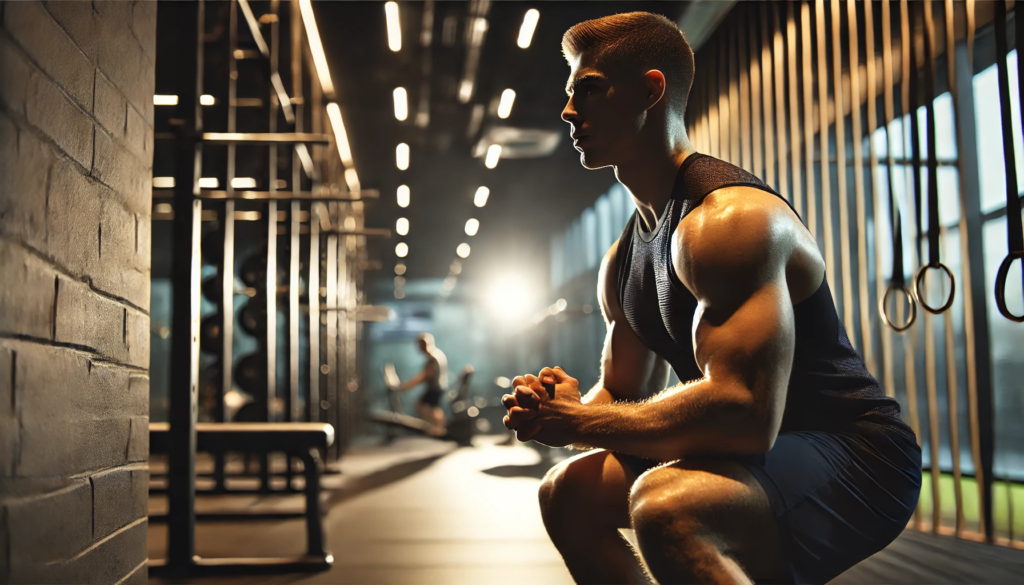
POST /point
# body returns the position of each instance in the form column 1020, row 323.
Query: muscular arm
column 629, row 371
column 733, row 253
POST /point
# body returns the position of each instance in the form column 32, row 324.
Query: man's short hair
column 639, row 39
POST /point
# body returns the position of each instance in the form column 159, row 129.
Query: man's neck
column 650, row 178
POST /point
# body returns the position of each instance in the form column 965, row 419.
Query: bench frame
column 302, row 440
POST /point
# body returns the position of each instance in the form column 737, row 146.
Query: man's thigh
column 724, row 503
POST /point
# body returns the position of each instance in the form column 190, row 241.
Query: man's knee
column 583, row 490
column 664, row 504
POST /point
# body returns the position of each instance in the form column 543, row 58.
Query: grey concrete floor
column 422, row 512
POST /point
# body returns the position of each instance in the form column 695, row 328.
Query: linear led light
column 209, row 183
column 243, row 183
column 402, row 250
column 472, row 226
column 282, row 96
column 480, row 199
column 463, row 250
column 163, row 182
column 401, row 103
column 465, row 91
column 254, row 28
column 316, row 48
column 493, row 154
column 505, row 105
column 340, row 136
column 529, row 25
column 402, row 226
column 403, row 196
column 402, row 156
column 165, row 100
column 307, row 161
column 352, row 180
column 394, row 28
column 207, row 100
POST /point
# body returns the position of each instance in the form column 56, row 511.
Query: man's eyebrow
column 572, row 84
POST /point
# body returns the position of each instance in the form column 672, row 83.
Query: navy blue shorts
column 838, row 497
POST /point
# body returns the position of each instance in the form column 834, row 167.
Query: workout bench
column 302, row 440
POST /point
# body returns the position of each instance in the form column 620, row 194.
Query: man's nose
column 569, row 112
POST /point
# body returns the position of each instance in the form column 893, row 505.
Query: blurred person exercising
column 780, row 458
column 434, row 376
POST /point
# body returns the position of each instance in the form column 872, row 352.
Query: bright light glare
column 401, row 103
column 529, row 25
column 402, row 250
column 399, row 281
column 243, row 183
column 340, row 136
column 403, row 195
column 402, row 226
column 316, row 48
column 165, row 100
column 505, row 105
column 399, row 293
column 493, row 154
column 463, row 250
column 560, row 305
column 163, row 182
column 402, row 156
column 480, row 199
column 472, row 226
column 503, row 382
column 209, row 183
column 207, row 100
column 400, row 268
column 509, row 298
column 394, row 28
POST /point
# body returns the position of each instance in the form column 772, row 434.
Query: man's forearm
column 683, row 421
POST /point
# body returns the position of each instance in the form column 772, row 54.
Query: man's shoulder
column 735, row 230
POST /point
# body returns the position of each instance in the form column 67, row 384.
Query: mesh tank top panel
column 829, row 382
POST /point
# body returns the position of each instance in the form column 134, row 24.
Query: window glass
column 990, row 134
column 1006, row 340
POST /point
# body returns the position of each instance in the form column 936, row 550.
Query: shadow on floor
column 536, row 470
column 379, row 479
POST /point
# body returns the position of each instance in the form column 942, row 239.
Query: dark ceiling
column 530, row 198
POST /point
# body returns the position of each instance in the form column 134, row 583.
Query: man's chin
column 592, row 163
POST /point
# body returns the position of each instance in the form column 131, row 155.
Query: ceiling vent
column 518, row 142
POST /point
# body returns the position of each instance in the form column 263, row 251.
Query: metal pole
column 863, row 296
column 187, row 19
column 823, row 148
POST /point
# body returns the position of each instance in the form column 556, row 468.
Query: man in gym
column 434, row 376
column 779, row 458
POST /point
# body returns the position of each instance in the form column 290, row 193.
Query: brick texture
column 76, row 149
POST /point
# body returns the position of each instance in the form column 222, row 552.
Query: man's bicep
column 629, row 370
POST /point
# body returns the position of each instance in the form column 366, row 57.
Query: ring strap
column 1014, row 229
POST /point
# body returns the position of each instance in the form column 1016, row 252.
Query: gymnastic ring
column 885, row 302
column 919, row 279
column 1004, row 271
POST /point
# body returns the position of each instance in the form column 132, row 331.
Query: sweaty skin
column 747, row 260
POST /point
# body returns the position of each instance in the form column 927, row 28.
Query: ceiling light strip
column 316, row 48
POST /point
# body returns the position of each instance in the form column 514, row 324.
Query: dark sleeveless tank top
column 829, row 385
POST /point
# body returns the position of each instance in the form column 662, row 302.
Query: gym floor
column 419, row 511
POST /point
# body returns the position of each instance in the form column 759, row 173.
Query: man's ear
column 656, row 85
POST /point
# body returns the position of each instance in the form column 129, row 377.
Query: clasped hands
column 534, row 415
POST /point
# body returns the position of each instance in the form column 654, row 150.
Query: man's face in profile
column 605, row 111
